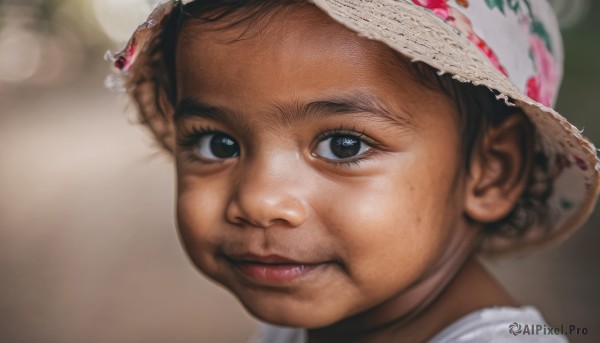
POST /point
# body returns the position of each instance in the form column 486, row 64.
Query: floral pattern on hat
column 541, row 87
column 458, row 20
column 542, row 83
column 124, row 59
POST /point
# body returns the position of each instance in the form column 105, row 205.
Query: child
column 341, row 164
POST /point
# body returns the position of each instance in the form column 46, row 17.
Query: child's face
column 317, row 151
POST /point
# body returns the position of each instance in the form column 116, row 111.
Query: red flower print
column 487, row 51
column 541, row 87
column 438, row 7
column 123, row 62
column 459, row 21
column 432, row 4
column 533, row 89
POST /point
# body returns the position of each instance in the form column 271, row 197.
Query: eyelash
column 341, row 131
column 189, row 139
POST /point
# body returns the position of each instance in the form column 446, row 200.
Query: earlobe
column 499, row 170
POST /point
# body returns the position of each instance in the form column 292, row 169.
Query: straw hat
column 513, row 47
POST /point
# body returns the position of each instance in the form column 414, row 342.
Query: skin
column 395, row 232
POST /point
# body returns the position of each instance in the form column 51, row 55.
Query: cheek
column 199, row 211
column 393, row 226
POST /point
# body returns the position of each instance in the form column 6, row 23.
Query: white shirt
column 487, row 325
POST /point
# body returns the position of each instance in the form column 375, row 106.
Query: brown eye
column 341, row 147
column 217, row 146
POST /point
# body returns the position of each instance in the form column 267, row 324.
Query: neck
column 457, row 286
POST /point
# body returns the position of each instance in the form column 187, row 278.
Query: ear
column 499, row 170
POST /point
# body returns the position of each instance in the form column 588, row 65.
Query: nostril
column 262, row 224
column 247, row 222
column 262, row 213
column 280, row 222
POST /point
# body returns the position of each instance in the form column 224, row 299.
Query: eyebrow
column 358, row 105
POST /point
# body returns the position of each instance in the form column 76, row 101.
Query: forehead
column 298, row 27
column 291, row 53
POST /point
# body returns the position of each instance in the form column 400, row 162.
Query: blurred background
column 88, row 246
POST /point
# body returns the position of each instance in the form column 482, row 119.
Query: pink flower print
column 488, row 52
column 463, row 24
column 541, row 87
column 438, row 7
column 126, row 58
column 533, row 89
column 459, row 21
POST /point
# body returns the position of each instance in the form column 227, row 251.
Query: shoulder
column 500, row 324
column 495, row 324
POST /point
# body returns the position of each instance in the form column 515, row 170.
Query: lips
column 273, row 269
column 268, row 259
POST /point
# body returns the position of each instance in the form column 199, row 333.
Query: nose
column 268, row 192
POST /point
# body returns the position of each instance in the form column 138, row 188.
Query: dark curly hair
column 151, row 84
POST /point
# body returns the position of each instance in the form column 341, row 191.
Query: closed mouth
column 273, row 269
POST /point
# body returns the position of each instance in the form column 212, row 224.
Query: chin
column 283, row 310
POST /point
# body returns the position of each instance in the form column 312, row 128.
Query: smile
column 273, row 270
